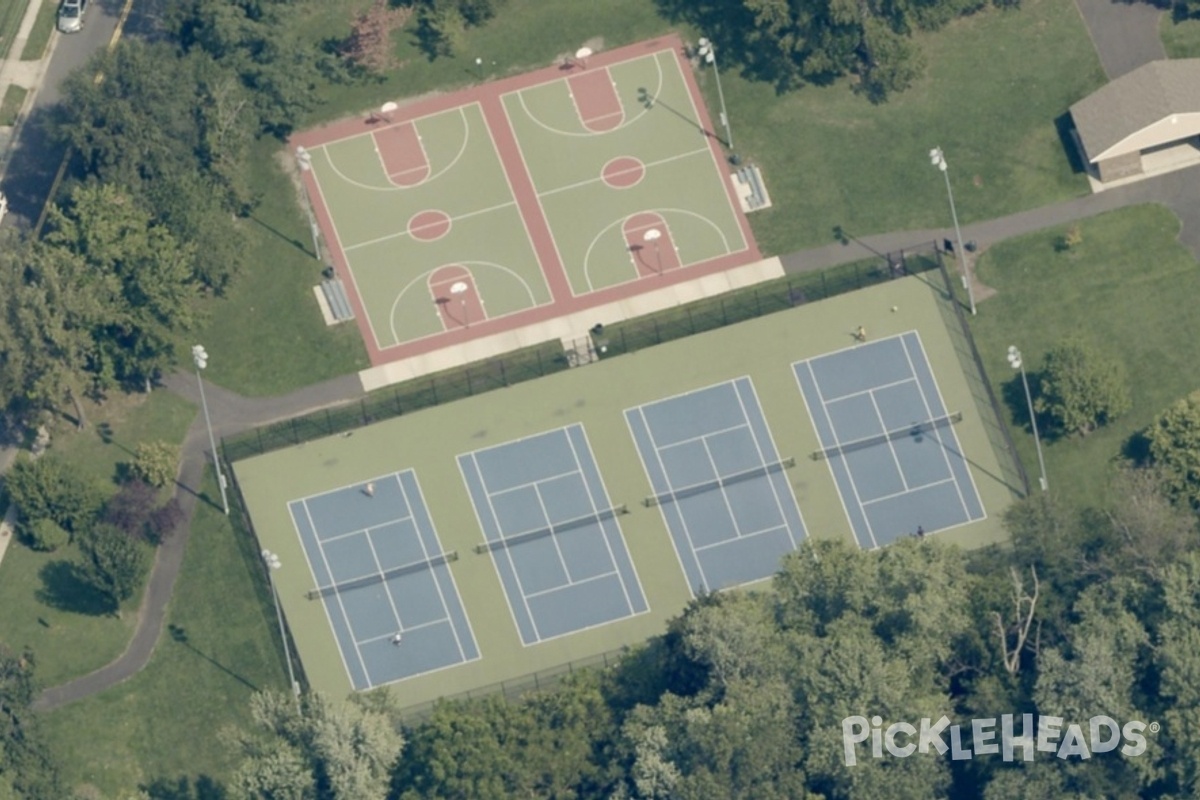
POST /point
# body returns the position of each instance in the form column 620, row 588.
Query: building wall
column 1111, row 169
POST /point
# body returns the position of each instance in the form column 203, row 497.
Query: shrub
column 49, row 488
column 45, row 535
column 156, row 463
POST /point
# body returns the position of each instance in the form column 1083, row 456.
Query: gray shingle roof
column 1135, row 100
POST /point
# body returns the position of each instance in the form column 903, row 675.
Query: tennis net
column 380, row 577
column 553, row 528
column 704, row 487
column 916, row 431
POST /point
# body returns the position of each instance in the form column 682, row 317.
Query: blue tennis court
column 719, row 482
column 384, row 580
column 553, row 534
column 889, row 440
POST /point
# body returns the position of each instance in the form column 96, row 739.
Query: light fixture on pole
column 1015, row 361
column 653, row 235
column 200, row 359
column 459, row 290
column 479, row 66
column 938, row 159
column 273, row 563
column 709, row 55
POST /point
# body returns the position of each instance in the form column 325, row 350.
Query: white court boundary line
column 430, row 178
column 587, row 257
column 423, row 278
column 520, row 94
column 962, row 453
column 774, row 449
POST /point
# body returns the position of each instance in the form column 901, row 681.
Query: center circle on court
column 429, row 225
column 623, row 172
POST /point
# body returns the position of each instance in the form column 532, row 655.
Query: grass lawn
column 267, row 336
column 45, row 608
column 10, row 106
column 163, row 724
column 43, row 29
column 1130, row 289
column 11, row 14
column 1181, row 39
column 994, row 85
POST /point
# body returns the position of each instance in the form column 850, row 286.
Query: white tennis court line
column 880, row 387
column 462, row 471
column 845, row 465
column 604, row 528
column 512, row 565
column 533, row 483
column 894, row 495
column 409, row 629
column 712, row 462
column 687, row 533
column 367, row 530
column 751, row 535
column 703, row 436
column 553, row 539
column 345, row 617
column 891, row 447
column 803, row 532
column 462, row 656
column 958, row 448
column 564, row 586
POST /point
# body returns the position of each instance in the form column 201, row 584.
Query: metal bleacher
column 339, row 303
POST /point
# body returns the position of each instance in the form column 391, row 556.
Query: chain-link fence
column 969, row 359
column 518, row 687
column 755, row 301
column 403, row 398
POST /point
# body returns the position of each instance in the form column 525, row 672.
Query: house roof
column 1134, row 101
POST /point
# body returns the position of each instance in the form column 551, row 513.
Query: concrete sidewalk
column 26, row 74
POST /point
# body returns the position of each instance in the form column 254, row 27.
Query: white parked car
column 70, row 15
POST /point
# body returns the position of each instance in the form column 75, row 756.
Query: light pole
column 273, row 563
column 938, row 159
column 653, row 235
column 710, row 57
column 459, row 290
column 200, row 359
column 1014, row 360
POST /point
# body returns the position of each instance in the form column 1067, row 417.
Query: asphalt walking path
column 232, row 412
column 1125, row 36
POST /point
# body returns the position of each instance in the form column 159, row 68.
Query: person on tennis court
column 861, row 334
column 920, row 532
column 397, row 638
column 369, row 491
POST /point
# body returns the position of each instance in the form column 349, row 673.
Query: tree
column 1174, row 439
column 151, row 276
column 26, row 764
column 334, row 751
column 156, row 463
column 45, row 535
column 51, row 488
column 131, row 507
column 369, row 44
column 112, row 563
column 1081, row 389
column 1151, row 531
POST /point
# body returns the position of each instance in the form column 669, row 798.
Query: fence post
column 433, row 388
column 362, row 406
column 258, row 433
column 295, row 433
column 470, row 389
column 724, row 318
column 399, row 408
column 503, row 374
column 541, row 370
column 691, row 322
column 657, row 335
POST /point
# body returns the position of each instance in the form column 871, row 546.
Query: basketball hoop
column 385, row 110
column 582, row 55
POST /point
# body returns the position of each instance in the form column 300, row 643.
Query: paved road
column 1124, row 32
column 35, row 156
column 1119, row 31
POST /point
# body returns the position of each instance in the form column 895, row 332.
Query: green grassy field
column 267, row 336
column 1130, row 289
column 10, row 106
column 221, row 644
column 11, row 14
column 993, row 88
column 1180, row 38
column 595, row 396
column 46, row 608
column 43, row 29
